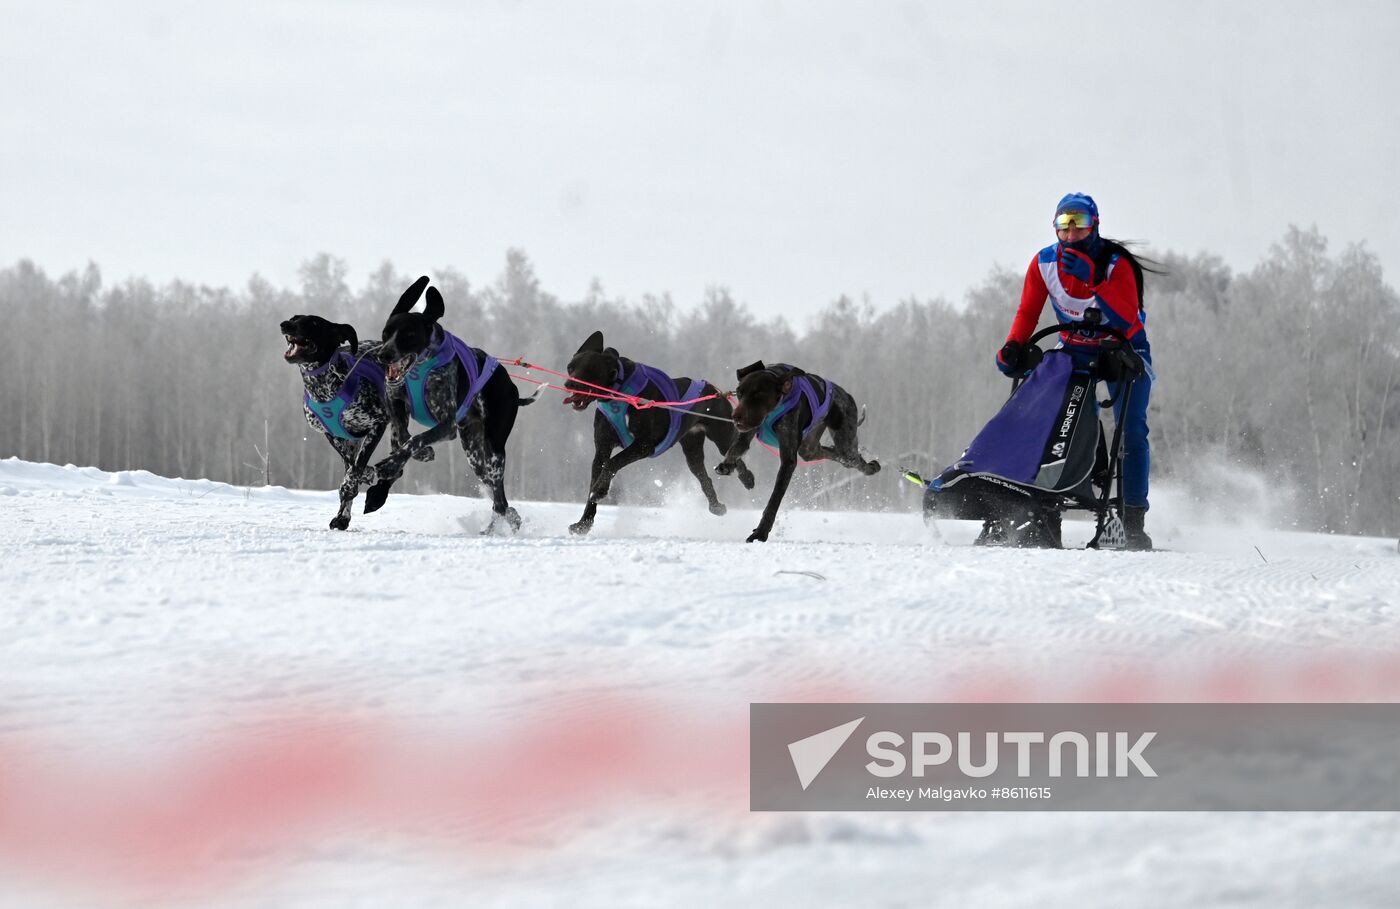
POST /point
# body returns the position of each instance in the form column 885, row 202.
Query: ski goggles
column 1067, row 219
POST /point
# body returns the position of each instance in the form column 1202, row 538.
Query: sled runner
column 1045, row 451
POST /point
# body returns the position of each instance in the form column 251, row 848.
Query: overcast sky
column 793, row 151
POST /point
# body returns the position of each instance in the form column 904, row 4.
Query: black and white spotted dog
column 345, row 399
column 452, row 389
column 789, row 409
column 649, row 432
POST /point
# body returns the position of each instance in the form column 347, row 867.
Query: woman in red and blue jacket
column 1085, row 271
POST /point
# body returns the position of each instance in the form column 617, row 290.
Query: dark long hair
column 1139, row 263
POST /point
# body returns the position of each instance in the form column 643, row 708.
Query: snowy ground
column 169, row 642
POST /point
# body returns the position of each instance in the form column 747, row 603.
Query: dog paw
column 340, row 522
column 377, row 495
column 718, row 509
column 511, row 517
column 746, row 478
column 872, row 467
column 758, row 536
column 423, row 454
column 724, row 468
column 580, row 528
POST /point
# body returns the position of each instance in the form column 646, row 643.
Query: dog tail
column 861, row 419
column 526, row 402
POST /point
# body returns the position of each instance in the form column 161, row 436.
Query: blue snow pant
column 1137, row 456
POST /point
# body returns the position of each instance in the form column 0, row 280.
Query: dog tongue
column 579, row 400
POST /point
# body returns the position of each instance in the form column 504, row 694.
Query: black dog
column 645, row 432
column 789, row 409
column 450, row 388
column 345, row 399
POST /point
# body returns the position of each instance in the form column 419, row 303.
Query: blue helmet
column 1078, row 202
column 1092, row 245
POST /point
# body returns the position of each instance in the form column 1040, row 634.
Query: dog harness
column 802, row 387
column 449, row 348
column 632, row 385
column 358, row 369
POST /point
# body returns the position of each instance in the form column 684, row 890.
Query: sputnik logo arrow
column 811, row 755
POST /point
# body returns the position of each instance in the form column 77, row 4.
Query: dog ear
column 347, row 333
column 594, row 343
column 751, row 368
column 434, row 308
column 611, row 351
column 410, row 296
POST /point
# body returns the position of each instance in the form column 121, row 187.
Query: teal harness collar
column 331, row 413
column 449, row 348
column 802, row 388
column 632, row 385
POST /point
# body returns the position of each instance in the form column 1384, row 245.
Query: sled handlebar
column 1084, row 325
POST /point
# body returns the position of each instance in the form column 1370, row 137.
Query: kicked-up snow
column 207, row 696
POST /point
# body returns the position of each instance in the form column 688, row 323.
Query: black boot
column 1135, row 536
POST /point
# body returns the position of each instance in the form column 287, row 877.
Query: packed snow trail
column 147, row 615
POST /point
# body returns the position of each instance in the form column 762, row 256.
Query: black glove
column 1011, row 358
column 1015, row 359
column 1117, row 363
column 1131, row 363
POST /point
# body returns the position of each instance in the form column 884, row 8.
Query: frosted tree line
column 1286, row 373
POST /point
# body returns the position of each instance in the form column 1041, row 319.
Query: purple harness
column 331, row 413
column 632, row 385
column 802, row 387
column 448, row 349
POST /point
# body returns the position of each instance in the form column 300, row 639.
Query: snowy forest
column 1283, row 377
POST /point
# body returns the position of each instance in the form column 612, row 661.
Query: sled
column 1046, row 452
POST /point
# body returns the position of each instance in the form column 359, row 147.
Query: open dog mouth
column 396, row 368
column 579, row 399
column 296, row 347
